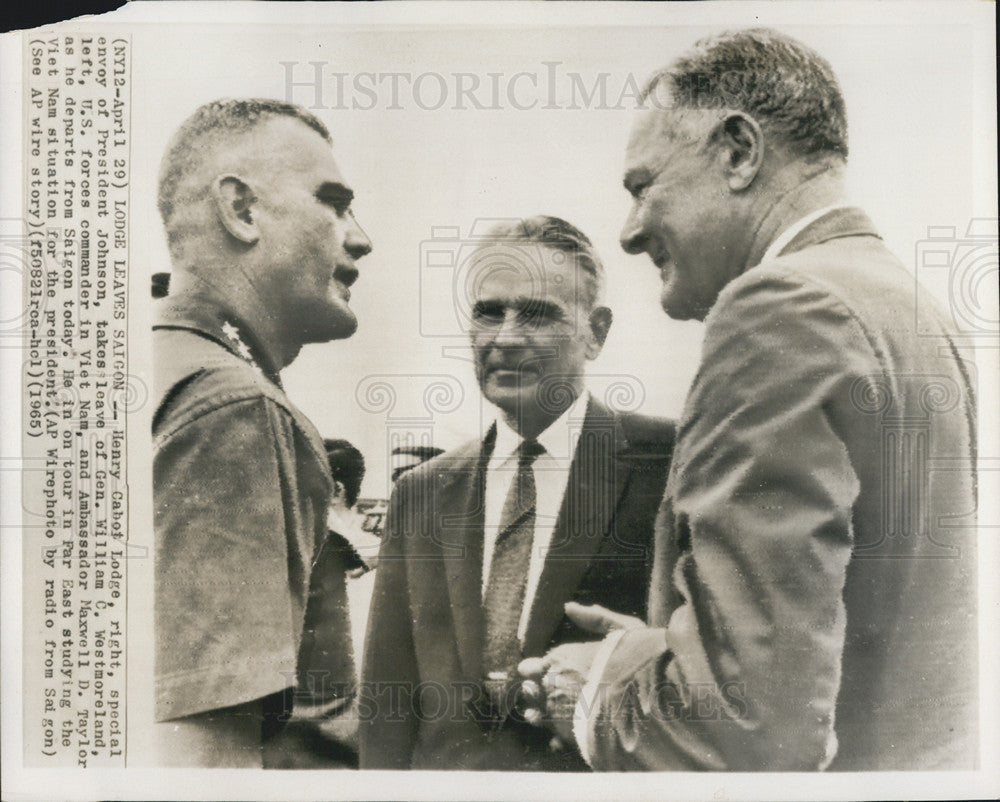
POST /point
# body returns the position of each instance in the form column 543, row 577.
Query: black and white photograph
column 501, row 401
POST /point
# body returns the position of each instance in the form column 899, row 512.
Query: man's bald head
column 204, row 141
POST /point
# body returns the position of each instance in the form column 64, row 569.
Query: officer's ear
column 599, row 321
column 234, row 203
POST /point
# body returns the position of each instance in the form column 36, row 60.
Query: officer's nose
column 356, row 242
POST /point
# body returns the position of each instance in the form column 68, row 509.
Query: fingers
column 533, row 668
column 531, row 701
column 599, row 620
column 556, row 682
column 532, row 694
column 532, row 697
column 548, row 701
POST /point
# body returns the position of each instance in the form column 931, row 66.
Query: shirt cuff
column 588, row 704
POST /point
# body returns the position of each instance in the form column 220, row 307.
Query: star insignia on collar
column 233, row 335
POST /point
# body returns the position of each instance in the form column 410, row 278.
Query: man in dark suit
column 813, row 598
column 486, row 544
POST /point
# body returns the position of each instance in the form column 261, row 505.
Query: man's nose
column 511, row 330
column 356, row 242
column 632, row 238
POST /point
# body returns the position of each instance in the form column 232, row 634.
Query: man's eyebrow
column 535, row 306
column 334, row 190
column 635, row 177
column 539, row 306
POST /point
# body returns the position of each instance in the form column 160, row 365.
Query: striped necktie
column 505, row 588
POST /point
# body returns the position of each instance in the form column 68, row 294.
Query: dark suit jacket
column 814, row 589
column 422, row 667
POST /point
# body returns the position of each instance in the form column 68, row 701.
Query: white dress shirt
column 551, row 471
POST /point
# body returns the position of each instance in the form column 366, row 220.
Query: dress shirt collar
column 778, row 245
column 555, row 439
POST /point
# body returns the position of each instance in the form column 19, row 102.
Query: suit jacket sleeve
column 388, row 721
column 740, row 668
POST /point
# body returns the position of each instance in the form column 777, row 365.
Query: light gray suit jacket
column 813, row 601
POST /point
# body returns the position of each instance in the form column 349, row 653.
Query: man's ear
column 741, row 149
column 234, row 202
column 600, row 324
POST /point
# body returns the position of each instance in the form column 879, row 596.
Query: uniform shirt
column 551, row 473
column 241, row 489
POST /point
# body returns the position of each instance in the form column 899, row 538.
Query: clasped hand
column 553, row 683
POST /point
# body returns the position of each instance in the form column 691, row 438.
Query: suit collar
column 838, row 221
column 848, row 221
column 458, row 522
column 786, row 236
column 594, row 487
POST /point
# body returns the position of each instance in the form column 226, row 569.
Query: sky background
column 420, row 171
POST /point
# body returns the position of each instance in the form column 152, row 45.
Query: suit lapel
column 459, row 522
column 594, row 486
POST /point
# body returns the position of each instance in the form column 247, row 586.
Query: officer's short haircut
column 215, row 124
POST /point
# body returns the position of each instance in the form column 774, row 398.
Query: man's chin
column 510, row 398
column 337, row 326
column 676, row 305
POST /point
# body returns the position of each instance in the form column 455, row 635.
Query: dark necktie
column 509, row 570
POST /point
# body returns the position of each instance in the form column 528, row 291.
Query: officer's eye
column 337, row 197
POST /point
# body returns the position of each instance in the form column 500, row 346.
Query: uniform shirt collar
column 210, row 319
